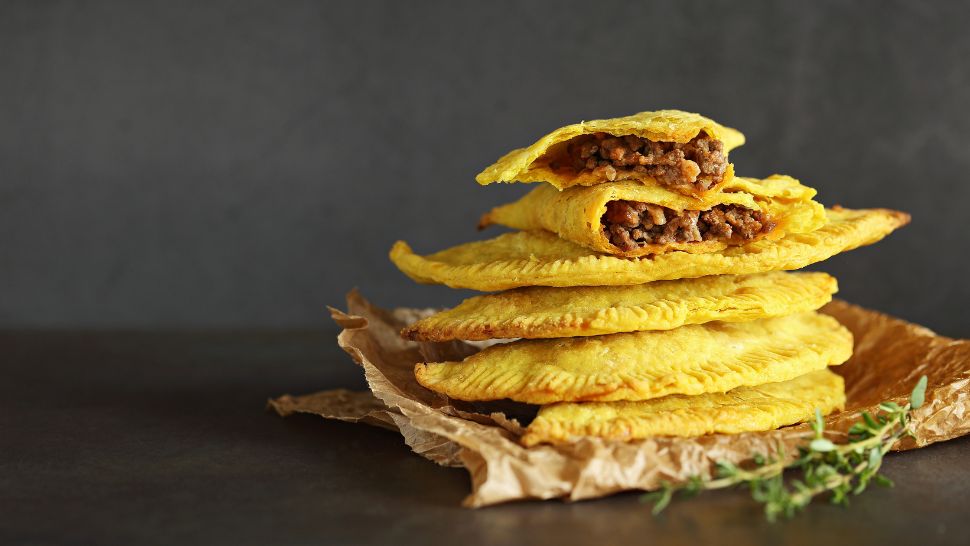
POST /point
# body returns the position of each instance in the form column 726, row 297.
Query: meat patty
column 699, row 163
column 630, row 224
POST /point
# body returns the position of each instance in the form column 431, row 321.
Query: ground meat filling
column 630, row 224
column 698, row 164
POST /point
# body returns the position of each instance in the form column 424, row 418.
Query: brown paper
column 890, row 356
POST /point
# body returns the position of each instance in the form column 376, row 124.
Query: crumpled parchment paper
column 890, row 356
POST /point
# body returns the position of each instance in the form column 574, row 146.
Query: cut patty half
column 632, row 219
column 681, row 151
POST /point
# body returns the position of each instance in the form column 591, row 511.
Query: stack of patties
column 644, row 290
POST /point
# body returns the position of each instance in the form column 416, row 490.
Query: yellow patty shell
column 745, row 409
column 575, row 213
column 521, row 165
column 694, row 359
column 540, row 258
column 543, row 312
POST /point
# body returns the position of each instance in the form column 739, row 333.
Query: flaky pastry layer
column 544, row 312
column 540, row 258
column 694, row 359
column 745, row 409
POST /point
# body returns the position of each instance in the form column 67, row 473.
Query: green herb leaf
column 726, row 469
column 882, row 481
column 822, row 445
column 818, row 425
column 889, row 406
column 875, row 458
column 918, row 394
column 663, row 497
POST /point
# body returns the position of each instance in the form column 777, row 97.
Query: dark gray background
column 224, row 164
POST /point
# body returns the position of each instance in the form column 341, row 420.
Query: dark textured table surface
column 152, row 438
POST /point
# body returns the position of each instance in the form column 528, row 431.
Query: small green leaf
column 758, row 492
column 882, row 480
column 839, row 497
column 695, row 484
column 822, row 445
column 818, row 425
column 875, row 457
column 857, row 428
column 662, row 500
column 919, row 393
column 825, row 471
column 870, row 422
column 726, row 469
column 891, row 407
column 771, row 512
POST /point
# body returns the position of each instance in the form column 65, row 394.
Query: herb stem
column 839, row 469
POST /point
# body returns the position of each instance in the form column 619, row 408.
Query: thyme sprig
column 825, row 467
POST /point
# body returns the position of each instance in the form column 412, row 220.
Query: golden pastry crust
column 745, row 409
column 690, row 360
column 540, row 258
column 543, row 312
column 526, row 164
column 575, row 214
